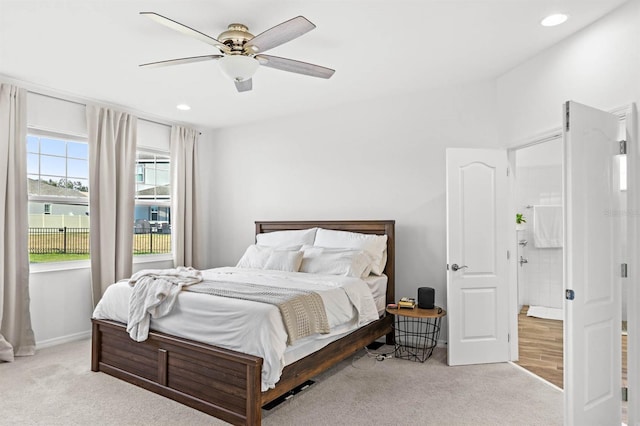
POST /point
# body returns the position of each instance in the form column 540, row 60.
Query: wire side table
column 416, row 332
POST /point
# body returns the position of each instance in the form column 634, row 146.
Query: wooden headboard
column 378, row 227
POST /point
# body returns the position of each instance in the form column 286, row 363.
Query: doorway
column 539, row 257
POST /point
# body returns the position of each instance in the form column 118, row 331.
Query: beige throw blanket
column 303, row 311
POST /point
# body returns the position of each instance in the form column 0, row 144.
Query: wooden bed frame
column 224, row 383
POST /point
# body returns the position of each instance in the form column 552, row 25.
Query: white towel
column 547, row 226
column 154, row 294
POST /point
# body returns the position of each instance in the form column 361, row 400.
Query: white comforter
column 250, row 327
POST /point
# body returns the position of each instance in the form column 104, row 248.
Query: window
column 152, row 217
column 58, row 182
column 139, row 173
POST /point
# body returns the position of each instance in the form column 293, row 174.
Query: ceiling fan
column 241, row 51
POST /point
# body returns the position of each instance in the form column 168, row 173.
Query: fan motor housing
column 235, row 37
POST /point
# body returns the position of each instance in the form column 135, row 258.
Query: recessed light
column 553, row 20
column 183, row 107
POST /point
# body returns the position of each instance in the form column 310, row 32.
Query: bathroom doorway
column 537, row 193
column 539, row 257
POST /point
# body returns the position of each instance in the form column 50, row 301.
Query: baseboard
column 63, row 339
column 536, row 376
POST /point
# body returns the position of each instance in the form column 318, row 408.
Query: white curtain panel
column 112, row 162
column 183, row 142
column 16, row 335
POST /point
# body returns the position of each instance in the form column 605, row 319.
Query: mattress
column 252, row 327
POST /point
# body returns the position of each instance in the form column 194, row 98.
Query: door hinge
column 508, row 255
column 625, row 393
column 623, row 270
column 508, row 337
column 507, row 171
column 570, row 294
column 623, row 146
column 566, row 118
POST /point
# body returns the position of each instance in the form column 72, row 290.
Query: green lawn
column 56, row 257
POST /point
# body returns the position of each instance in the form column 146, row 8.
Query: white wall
column 599, row 66
column 540, row 280
column 538, row 181
column 381, row 159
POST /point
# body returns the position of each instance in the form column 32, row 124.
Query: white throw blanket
column 154, row 294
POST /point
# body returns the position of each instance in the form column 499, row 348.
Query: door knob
column 455, row 267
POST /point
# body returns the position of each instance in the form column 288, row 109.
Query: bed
column 226, row 383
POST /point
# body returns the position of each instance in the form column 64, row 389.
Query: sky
column 55, row 159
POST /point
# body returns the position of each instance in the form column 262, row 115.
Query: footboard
column 219, row 382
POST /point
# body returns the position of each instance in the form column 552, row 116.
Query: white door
column 592, row 348
column 633, row 292
column 477, row 287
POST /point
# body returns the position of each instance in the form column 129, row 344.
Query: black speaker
column 426, row 297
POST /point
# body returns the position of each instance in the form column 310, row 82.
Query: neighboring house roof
column 37, row 187
column 154, row 190
column 46, row 189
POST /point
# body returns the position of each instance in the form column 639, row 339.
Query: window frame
column 154, row 257
column 86, row 263
column 67, row 137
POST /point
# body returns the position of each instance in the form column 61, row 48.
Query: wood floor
column 541, row 345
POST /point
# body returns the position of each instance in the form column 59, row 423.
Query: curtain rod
column 46, row 95
column 85, row 104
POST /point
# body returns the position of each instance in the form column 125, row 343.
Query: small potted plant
column 520, row 222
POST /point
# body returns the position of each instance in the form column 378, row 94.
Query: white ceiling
column 92, row 49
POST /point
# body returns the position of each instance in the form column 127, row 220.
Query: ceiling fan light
column 238, row 67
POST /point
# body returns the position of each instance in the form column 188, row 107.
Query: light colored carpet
column 56, row 387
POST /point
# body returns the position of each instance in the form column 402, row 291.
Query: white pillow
column 287, row 238
column 254, row 257
column 328, row 261
column 284, row 260
column 374, row 245
column 265, row 257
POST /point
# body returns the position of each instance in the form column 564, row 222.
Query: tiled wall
column 539, row 280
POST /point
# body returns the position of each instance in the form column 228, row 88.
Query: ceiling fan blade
column 244, row 85
column 177, row 26
column 181, row 61
column 279, row 34
column 291, row 65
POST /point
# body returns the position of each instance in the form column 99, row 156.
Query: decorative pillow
column 284, row 260
column 328, row 261
column 254, row 257
column 287, row 238
column 265, row 257
column 374, row 245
